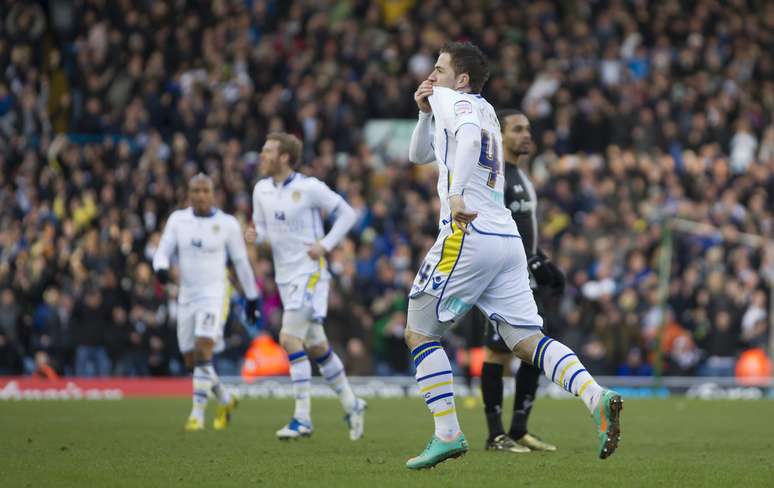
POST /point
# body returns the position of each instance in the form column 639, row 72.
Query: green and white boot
column 607, row 416
column 438, row 451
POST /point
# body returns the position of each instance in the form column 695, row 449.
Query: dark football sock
column 526, row 386
column 492, row 391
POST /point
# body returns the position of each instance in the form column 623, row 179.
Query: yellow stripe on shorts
column 226, row 301
column 316, row 276
column 451, row 250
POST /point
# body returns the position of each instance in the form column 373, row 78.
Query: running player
column 287, row 209
column 204, row 237
column 474, row 262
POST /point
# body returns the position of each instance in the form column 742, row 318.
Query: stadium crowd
column 640, row 111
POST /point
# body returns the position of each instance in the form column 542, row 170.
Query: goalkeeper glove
column 546, row 273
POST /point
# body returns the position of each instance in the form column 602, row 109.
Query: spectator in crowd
column 90, row 322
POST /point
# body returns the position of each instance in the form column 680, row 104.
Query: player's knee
column 526, row 347
column 318, row 350
column 291, row 343
column 414, row 340
column 203, row 350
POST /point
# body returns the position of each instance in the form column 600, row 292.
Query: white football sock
column 301, row 375
column 563, row 367
column 217, row 387
column 435, row 380
column 202, row 383
column 332, row 370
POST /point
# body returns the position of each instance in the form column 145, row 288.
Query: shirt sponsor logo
column 463, row 107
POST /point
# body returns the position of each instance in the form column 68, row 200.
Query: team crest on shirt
column 296, row 195
column 463, row 107
column 215, row 229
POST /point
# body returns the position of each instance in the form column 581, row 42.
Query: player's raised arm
column 468, row 138
column 163, row 254
column 421, row 147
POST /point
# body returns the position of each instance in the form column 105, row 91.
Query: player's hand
column 252, row 311
column 546, row 273
column 424, row 90
column 163, row 276
column 316, row 251
column 251, row 235
column 460, row 215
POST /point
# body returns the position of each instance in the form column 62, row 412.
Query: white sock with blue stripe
column 202, row 383
column 435, row 380
column 301, row 375
column 332, row 369
column 560, row 364
column 217, row 387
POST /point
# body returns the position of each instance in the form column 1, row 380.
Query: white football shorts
column 478, row 269
column 201, row 318
column 308, row 293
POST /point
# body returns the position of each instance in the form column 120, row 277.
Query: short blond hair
column 288, row 144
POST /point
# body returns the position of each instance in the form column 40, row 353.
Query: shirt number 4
column 488, row 158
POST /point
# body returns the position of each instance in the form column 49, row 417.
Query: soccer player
column 474, row 262
column 204, row 237
column 287, row 209
column 521, row 200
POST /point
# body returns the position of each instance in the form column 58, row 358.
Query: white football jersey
column 289, row 217
column 484, row 192
column 203, row 244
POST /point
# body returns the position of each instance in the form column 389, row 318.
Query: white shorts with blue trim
column 488, row 271
column 308, row 294
column 202, row 318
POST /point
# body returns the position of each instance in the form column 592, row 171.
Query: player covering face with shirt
column 474, row 261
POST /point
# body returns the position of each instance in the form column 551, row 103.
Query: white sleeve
column 237, row 252
column 167, row 246
column 344, row 219
column 466, row 158
column 323, row 197
column 335, row 206
column 258, row 218
column 421, row 147
column 452, row 109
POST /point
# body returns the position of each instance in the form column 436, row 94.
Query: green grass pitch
column 140, row 442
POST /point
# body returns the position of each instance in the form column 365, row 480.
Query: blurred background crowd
column 640, row 111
